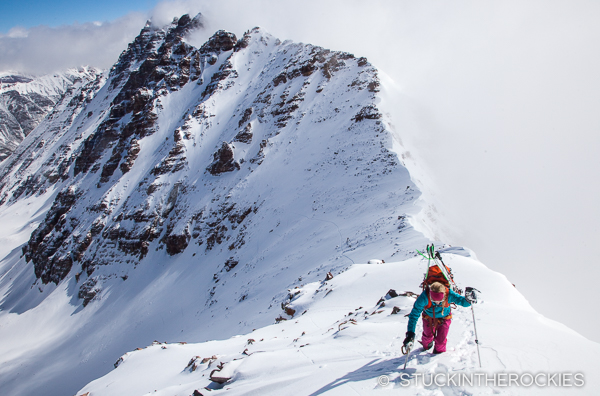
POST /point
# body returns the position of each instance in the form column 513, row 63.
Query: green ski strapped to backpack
column 438, row 271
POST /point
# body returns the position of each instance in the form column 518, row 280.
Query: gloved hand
column 410, row 338
column 471, row 295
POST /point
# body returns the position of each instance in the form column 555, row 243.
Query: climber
column 434, row 302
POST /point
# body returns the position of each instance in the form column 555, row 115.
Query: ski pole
column 408, row 349
column 476, row 338
column 470, row 291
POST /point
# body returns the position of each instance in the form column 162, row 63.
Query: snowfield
column 340, row 341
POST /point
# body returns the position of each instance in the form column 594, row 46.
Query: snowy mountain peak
column 131, row 192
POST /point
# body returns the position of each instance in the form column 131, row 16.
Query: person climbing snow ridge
column 439, row 291
column 434, row 304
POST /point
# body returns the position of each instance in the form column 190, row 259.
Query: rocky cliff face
column 181, row 148
column 25, row 101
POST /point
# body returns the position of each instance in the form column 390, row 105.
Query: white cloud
column 17, row 32
column 43, row 49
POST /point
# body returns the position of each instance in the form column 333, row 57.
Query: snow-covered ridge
column 342, row 335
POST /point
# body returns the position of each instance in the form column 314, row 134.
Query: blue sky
column 29, row 13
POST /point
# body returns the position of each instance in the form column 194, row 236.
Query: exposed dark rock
column 185, row 24
column 43, row 248
column 307, row 69
column 139, row 50
column 290, row 311
column 174, row 162
column 261, row 153
column 217, row 79
column 88, row 291
column 111, row 165
column 245, row 135
column 332, row 65
column 238, row 217
column 170, row 64
column 141, row 99
column 284, row 109
column 97, row 227
column 135, row 247
column 367, row 113
column 133, row 151
column 216, row 225
column 30, row 184
column 373, row 86
column 245, row 40
column 223, row 161
column 152, row 188
column 230, row 264
column 282, row 78
column 212, row 60
column 93, row 147
column 221, row 41
column 82, row 247
column 245, row 116
column 178, row 188
column 216, row 235
column 214, row 375
column 176, row 243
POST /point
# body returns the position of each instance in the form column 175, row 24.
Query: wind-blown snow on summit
column 181, row 194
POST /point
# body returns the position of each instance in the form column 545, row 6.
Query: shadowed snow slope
column 179, row 196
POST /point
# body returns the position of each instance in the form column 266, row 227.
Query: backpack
column 438, row 272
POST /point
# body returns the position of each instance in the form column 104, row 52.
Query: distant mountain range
column 26, row 100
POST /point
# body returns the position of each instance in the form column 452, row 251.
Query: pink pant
column 438, row 334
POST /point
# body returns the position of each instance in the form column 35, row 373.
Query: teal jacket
column 440, row 310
